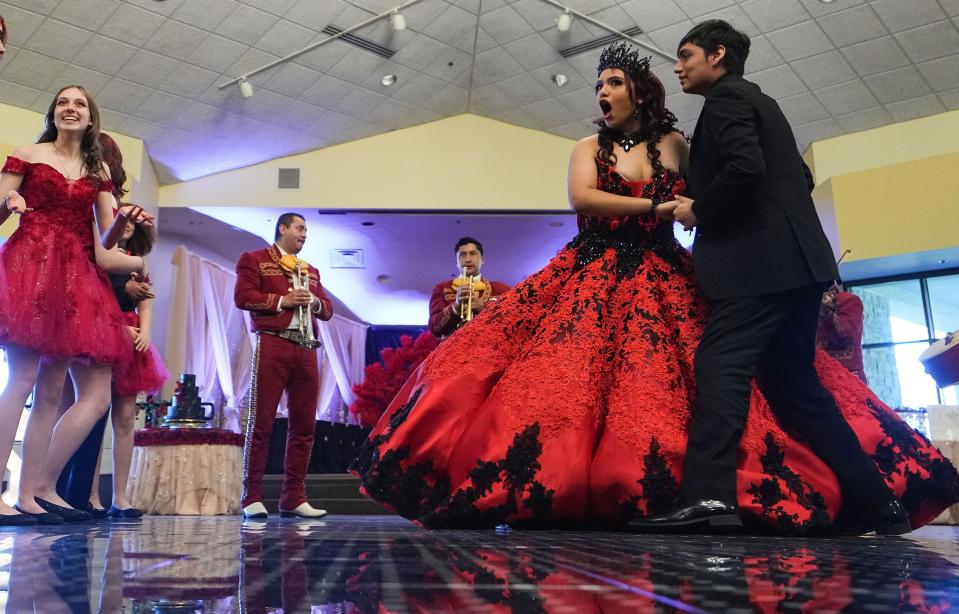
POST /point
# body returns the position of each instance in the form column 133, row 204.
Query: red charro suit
column 278, row 365
column 443, row 318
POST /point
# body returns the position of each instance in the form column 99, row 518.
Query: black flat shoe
column 97, row 513
column 42, row 517
column 888, row 519
column 129, row 513
column 17, row 520
column 698, row 516
column 67, row 513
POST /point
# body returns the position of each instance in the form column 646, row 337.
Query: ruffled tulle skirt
column 144, row 373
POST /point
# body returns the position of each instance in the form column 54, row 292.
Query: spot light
column 560, row 79
column 397, row 21
column 388, row 80
column 246, row 88
column 564, row 21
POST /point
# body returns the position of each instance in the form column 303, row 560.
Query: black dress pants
column 773, row 337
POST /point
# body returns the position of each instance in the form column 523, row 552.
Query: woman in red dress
column 56, row 305
column 566, row 404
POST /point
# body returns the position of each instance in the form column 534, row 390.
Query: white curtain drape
column 209, row 337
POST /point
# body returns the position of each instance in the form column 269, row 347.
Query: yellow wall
column 464, row 162
column 20, row 127
column 899, row 209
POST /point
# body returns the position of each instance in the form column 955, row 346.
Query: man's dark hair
column 711, row 34
column 286, row 220
column 466, row 240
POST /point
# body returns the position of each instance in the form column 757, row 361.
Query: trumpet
column 466, row 309
column 306, row 339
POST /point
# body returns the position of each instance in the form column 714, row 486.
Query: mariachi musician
column 284, row 297
column 452, row 304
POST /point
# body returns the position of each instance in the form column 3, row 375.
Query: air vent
column 598, row 42
column 346, row 259
column 288, row 179
column 359, row 41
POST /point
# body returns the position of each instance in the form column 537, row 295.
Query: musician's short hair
column 466, row 240
column 286, row 220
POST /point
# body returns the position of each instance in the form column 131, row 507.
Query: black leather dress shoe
column 888, row 519
column 127, row 513
column 68, row 514
column 697, row 516
column 16, row 520
column 97, row 513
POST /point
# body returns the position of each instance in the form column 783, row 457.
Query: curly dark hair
column 114, row 161
column 90, row 145
column 655, row 120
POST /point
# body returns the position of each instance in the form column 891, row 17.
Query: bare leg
column 93, row 399
column 36, row 439
column 95, row 488
column 122, row 413
column 23, row 366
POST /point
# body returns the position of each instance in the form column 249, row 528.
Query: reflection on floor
column 384, row 564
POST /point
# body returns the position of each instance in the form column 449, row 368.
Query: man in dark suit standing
column 763, row 261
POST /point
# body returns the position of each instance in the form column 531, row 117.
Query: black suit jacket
column 758, row 231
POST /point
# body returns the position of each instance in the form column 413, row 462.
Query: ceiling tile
column 162, row 107
column 327, row 92
column 148, row 68
column 251, row 60
column 852, row 26
column 421, row 51
column 32, row 69
column 581, row 103
column 489, row 100
column 696, row 8
column 292, row 79
column 736, row 17
column 779, row 81
column 132, row 24
column 574, row 130
column 104, row 54
column 87, row 14
column 451, row 65
column 800, row 41
column 276, row 7
column 360, row 103
column 451, row 25
column 374, row 80
column 772, row 15
column 188, row 80
column 484, row 42
column 654, row 14
column 122, row 96
column 802, row 109
column 548, row 113
column 246, row 25
column 206, row 15
column 419, row 90
column 299, row 115
column 899, row 15
column 196, row 116
column 951, row 7
column 544, row 75
column 666, row 38
column 91, row 80
column 540, row 15
column 897, row 85
column 26, row 22
column 950, row 99
column 315, row 15
column 164, row 7
column 875, row 56
column 504, row 25
column 18, row 95
column 216, row 53
column 284, row 38
column 941, row 74
column 522, row 90
column 111, row 120
column 532, row 52
column 819, row 8
column 390, row 113
column 846, row 97
column 44, row 7
column 816, row 131
column 357, row 66
column 176, row 40
column 451, row 100
column 58, row 40
column 929, row 42
column 762, row 55
column 915, row 107
column 686, row 108
column 824, row 69
column 141, row 128
column 516, row 116
column 494, row 65
column 864, row 120
column 324, row 57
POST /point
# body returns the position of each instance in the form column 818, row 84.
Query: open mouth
column 605, row 107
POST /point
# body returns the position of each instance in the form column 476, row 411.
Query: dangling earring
column 637, row 112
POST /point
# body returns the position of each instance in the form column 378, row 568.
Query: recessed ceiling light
column 388, row 80
column 942, row 261
column 560, row 79
column 827, row 1
column 384, row 279
column 366, row 223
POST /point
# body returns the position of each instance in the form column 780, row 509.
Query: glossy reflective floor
column 384, row 564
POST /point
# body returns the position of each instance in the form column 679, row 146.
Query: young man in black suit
column 763, row 261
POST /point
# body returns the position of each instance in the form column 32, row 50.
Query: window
column 903, row 317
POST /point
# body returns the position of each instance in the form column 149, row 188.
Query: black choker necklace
column 628, row 141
